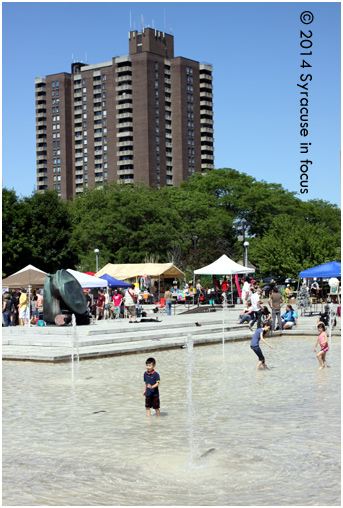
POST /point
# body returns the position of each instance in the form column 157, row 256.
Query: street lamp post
column 243, row 225
column 195, row 242
column 96, row 251
column 246, row 245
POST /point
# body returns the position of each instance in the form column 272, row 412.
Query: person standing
column 23, row 308
column 276, row 301
column 117, row 298
column 256, row 308
column 245, row 289
column 169, row 300
column 131, row 299
column 6, row 309
column 100, row 305
column 151, row 392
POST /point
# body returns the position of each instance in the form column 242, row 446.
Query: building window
column 104, row 78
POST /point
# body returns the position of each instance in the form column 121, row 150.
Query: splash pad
column 255, row 435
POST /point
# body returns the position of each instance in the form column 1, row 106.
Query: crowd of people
column 18, row 307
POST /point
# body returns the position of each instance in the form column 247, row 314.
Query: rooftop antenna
column 72, row 58
column 86, row 57
column 153, row 24
column 130, row 21
column 164, row 11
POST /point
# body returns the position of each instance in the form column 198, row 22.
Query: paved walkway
column 118, row 337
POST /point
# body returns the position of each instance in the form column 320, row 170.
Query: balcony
column 206, row 103
column 125, row 172
column 78, row 164
column 207, row 166
column 78, row 129
column 125, row 106
column 120, row 79
column 79, row 181
column 206, row 130
column 125, row 153
column 167, row 108
column 206, row 138
column 206, row 94
column 206, row 112
column 79, row 172
column 124, row 134
column 97, row 109
column 77, row 94
column 203, row 75
column 42, row 166
column 42, row 174
column 41, row 124
column 122, row 116
column 127, row 95
column 125, row 163
column 79, row 190
column 169, row 145
column 125, row 143
column 205, row 85
column 98, row 134
column 98, row 143
column 167, row 80
column 41, row 115
column 123, row 88
column 124, row 125
column 41, row 157
column 99, row 179
column 124, row 69
column 206, row 121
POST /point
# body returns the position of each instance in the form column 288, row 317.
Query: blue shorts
column 259, row 353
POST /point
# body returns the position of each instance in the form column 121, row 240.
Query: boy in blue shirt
column 151, row 393
column 255, row 345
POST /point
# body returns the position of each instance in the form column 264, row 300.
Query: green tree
column 291, row 245
column 36, row 230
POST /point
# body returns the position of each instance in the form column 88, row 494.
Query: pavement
column 118, row 337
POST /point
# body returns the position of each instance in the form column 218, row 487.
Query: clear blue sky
column 254, row 49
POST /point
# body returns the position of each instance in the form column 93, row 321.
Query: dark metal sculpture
column 63, row 295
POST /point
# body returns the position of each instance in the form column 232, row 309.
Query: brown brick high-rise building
column 144, row 117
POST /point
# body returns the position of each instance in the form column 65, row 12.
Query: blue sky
column 254, row 49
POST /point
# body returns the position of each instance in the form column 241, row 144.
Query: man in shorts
column 131, row 298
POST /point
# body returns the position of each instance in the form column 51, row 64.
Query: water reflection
column 274, row 436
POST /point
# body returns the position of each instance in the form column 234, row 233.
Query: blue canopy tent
column 114, row 283
column 325, row 271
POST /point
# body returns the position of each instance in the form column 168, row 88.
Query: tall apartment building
column 144, row 117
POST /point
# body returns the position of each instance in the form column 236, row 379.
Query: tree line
column 135, row 223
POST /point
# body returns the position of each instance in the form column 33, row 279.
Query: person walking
column 255, row 345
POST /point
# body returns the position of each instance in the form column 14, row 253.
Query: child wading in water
column 323, row 341
column 151, row 380
column 255, row 345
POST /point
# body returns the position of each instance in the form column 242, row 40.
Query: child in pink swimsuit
column 323, row 341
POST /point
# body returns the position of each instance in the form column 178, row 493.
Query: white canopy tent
column 224, row 266
column 88, row 281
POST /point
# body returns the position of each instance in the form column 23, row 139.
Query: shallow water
column 258, row 438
